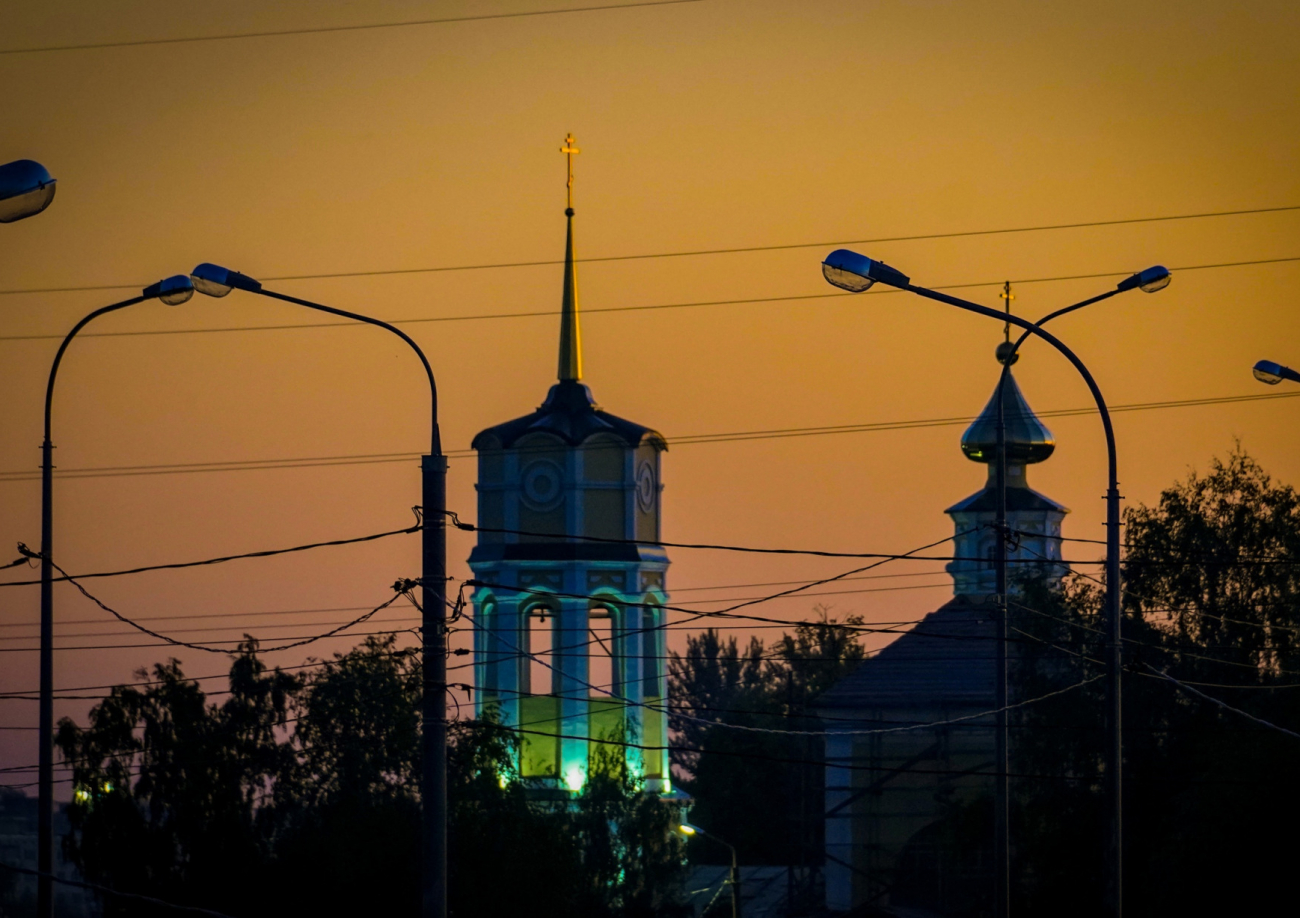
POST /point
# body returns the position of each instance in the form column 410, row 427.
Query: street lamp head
column 855, row 273
column 1152, row 279
column 687, row 829
column 1266, row 371
column 172, row 290
column 215, row 280
column 26, row 189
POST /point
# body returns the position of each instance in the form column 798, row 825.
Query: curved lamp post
column 856, row 273
column 26, row 189
column 173, row 291
column 734, row 882
column 1266, row 371
column 215, row 280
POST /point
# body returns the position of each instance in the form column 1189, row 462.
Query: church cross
column 1007, row 295
column 568, row 150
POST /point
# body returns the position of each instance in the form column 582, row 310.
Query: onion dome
column 1027, row 439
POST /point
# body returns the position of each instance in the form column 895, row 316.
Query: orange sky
column 724, row 123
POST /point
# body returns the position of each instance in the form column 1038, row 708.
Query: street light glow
column 687, row 829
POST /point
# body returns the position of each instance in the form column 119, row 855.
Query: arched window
column 539, row 635
column 490, row 670
column 603, row 670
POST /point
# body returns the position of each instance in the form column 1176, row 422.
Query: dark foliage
column 1211, row 576
column 300, row 795
column 760, row 791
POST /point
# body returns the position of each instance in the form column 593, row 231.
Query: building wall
column 897, row 785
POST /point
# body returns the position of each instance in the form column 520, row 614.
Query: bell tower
column 1034, row 520
column 568, row 619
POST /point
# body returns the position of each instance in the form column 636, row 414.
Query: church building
column 887, row 793
column 569, row 619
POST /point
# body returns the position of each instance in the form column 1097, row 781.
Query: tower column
column 570, row 655
column 630, row 666
column 511, row 642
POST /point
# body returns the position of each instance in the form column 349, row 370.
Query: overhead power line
column 391, row 272
column 398, row 594
column 546, row 313
column 320, row 30
column 109, row 891
column 253, row 465
column 1183, row 686
column 177, row 565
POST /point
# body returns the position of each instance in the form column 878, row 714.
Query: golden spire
column 570, row 336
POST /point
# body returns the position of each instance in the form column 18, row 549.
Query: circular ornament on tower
column 645, row 487
column 543, row 485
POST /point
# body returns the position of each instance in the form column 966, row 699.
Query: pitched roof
column 571, row 414
column 948, row 658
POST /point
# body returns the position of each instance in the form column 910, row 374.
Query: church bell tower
column 1033, row 519
column 568, row 619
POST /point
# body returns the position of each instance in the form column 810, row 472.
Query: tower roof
column 569, row 412
column 1027, row 438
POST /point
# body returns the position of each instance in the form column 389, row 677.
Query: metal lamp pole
column 857, row 273
column 172, row 291
column 214, row 280
column 26, row 189
column 687, row 829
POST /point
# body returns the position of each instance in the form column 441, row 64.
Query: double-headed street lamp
column 734, row 881
column 216, row 281
column 856, row 273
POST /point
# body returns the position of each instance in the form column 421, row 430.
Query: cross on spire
column 1007, row 295
column 569, row 150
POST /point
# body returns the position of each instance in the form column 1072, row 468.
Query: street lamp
column 172, row 291
column 217, row 281
column 857, row 273
column 688, row 830
column 1266, row 371
column 26, row 189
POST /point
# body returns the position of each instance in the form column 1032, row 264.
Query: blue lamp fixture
column 26, row 189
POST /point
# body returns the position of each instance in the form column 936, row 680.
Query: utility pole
column 1001, row 795
column 433, row 632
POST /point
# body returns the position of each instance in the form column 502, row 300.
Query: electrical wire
column 320, row 30
column 751, row 249
column 221, row 560
column 254, row 465
column 1223, row 704
column 821, row 763
column 109, row 891
column 397, row 594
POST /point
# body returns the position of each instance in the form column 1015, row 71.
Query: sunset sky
column 717, row 124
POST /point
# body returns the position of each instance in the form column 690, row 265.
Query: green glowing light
column 574, row 779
